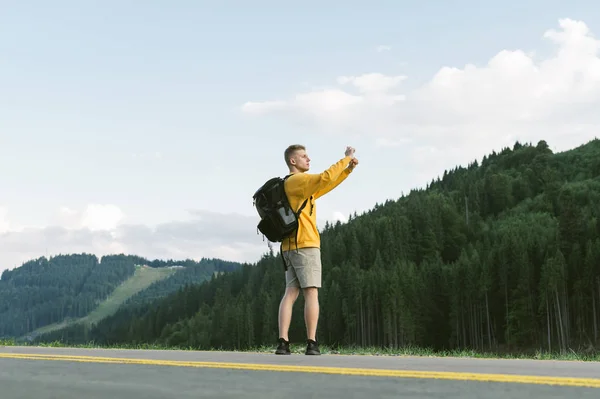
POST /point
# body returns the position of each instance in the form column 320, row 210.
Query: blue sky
column 123, row 126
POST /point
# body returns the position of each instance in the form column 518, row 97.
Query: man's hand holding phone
column 349, row 151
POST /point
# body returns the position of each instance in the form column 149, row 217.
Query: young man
column 303, row 258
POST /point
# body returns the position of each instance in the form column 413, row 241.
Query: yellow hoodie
column 301, row 186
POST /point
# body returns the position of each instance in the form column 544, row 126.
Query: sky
column 145, row 127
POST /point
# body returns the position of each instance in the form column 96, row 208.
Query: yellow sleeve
column 314, row 183
column 345, row 173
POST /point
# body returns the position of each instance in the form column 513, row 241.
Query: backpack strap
column 298, row 217
column 290, row 238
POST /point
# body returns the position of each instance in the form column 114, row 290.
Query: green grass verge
column 356, row 351
column 142, row 278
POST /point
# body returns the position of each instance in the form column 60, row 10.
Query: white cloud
column 339, row 216
column 383, row 47
column 467, row 111
column 97, row 229
column 373, row 84
column 94, row 217
column 101, row 217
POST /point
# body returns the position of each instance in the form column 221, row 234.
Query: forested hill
column 46, row 291
column 502, row 255
column 187, row 272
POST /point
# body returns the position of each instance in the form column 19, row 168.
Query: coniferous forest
column 502, row 255
column 44, row 291
column 65, row 287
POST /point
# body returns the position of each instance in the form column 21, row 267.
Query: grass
column 298, row 349
column 142, row 278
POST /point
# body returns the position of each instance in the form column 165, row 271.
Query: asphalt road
column 44, row 373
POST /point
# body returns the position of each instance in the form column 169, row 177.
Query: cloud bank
column 98, row 230
column 465, row 112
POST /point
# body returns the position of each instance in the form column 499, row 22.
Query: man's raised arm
column 341, row 177
column 314, row 183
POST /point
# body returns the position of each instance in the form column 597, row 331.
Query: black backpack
column 277, row 219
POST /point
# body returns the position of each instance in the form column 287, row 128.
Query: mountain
column 44, row 294
column 502, row 255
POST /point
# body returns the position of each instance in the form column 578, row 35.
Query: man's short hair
column 290, row 151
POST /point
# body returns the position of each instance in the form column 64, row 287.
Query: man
column 303, row 258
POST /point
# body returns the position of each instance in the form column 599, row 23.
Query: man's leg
column 309, row 276
column 292, row 289
column 311, row 311
column 285, row 311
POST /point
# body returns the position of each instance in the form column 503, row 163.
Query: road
column 67, row 373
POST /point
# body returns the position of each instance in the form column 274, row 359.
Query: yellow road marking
column 463, row 376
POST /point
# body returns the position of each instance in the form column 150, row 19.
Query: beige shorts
column 304, row 267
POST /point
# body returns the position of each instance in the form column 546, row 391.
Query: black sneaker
column 283, row 348
column 312, row 348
